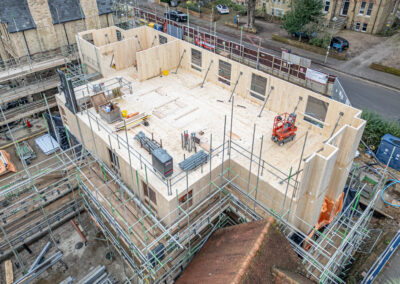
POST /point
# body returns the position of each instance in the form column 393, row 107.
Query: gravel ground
column 359, row 42
column 393, row 59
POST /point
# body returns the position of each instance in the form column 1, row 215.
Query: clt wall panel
column 151, row 61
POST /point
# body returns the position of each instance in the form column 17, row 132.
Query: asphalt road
column 367, row 95
column 363, row 94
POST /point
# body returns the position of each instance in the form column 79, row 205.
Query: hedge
column 308, row 47
column 384, row 68
column 376, row 127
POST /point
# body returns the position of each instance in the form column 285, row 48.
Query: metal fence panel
column 175, row 31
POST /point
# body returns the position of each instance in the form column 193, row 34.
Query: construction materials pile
column 47, row 144
column 147, row 143
column 194, row 161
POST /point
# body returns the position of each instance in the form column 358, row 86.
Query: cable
column 383, row 191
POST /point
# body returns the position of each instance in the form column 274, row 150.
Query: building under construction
column 172, row 144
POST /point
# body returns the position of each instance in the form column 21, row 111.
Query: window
column 224, row 72
column 162, row 39
column 357, row 28
column 149, row 193
column 277, row 12
column 186, row 201
column 114, row 161
column 283, row 1
column 362, row 8
column 369, row 10
column 364, row 27
column 258, row 86
column 317, row 109
column 196, row 59
column 119, row 36
column 327, row 4
column 345, row 7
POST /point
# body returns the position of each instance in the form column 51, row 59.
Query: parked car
column 305, row 35
column 176, row 16
column 339, row 43
column 222, row 9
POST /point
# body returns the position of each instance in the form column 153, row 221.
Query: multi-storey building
column 364, row 16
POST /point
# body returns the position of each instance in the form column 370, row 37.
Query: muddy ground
column 384, row 227
column 76, row 262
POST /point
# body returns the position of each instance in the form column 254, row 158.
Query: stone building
column 37, row 37
column 276, row 8
column 29, row 27
column 372, row 16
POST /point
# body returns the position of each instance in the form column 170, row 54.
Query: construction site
column 146, row 151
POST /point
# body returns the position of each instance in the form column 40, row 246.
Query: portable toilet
column 385, row 150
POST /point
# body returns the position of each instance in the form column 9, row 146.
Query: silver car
column 222, row 9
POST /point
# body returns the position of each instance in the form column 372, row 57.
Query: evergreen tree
column 303, row 13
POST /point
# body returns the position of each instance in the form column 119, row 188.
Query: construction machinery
column 284, row 128
column 25, row 152
column 5, row 163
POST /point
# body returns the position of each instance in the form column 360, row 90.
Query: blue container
column 158, row 27
column 385, row 149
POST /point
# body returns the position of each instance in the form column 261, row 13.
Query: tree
column 251, row 5
column 303, row 13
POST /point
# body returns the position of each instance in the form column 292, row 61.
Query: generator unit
column 162, row 162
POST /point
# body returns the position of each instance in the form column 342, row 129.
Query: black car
column 339, row 43
column 176, row 16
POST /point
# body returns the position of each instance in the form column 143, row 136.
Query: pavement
column 366, row 88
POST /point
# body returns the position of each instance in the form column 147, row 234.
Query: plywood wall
column 105, row 36
column 284, row 97
column 121, row 53
column 88, row 54
column 162, row 57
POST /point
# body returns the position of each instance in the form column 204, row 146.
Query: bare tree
column 251, row 5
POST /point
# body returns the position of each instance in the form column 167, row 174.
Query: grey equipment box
column 107, row 110
column 162, row 162
column 110, row 112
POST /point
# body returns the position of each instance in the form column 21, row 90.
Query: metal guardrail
column 382, row 260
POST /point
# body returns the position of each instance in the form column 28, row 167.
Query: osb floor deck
column 177, row 103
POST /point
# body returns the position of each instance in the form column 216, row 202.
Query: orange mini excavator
column 284, row 128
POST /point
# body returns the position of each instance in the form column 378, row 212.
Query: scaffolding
column 132, row 227
column 77, row 178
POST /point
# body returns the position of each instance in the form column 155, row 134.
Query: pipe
column 383, row 191
column 79, row 232
column 39, row 258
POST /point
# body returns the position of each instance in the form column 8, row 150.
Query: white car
column 222, row 9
